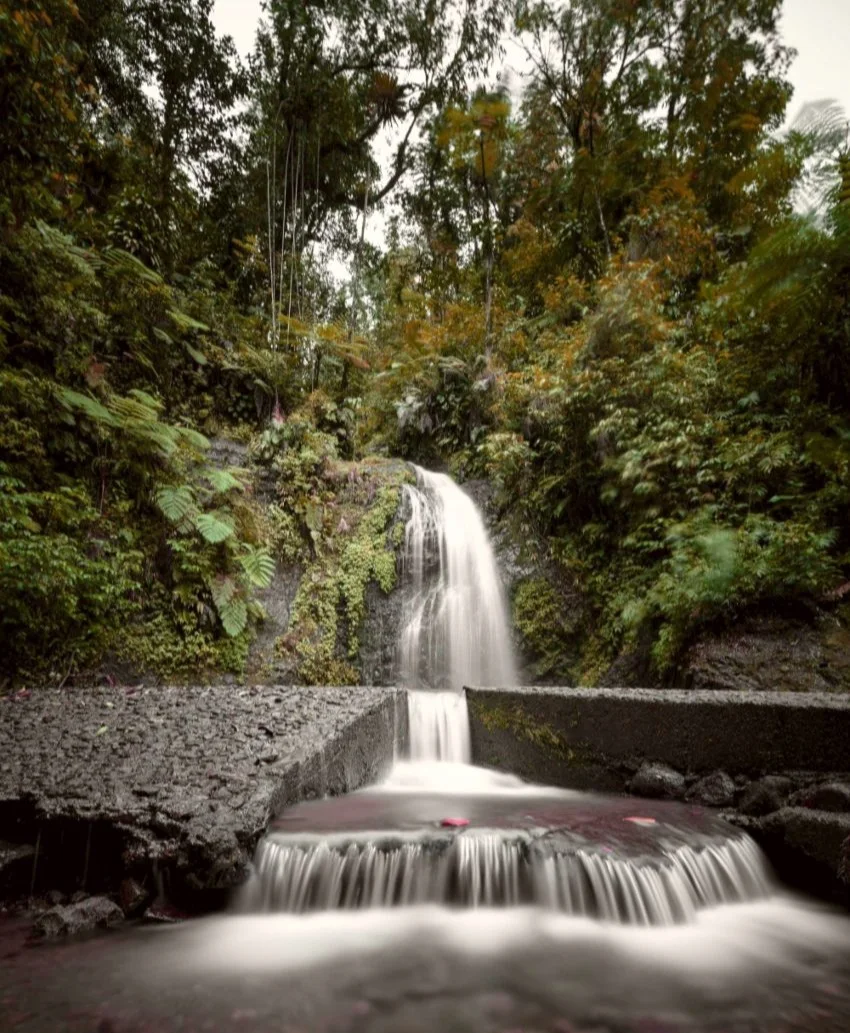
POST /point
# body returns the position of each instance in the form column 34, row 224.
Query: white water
column 499, row 868
column 456, row 631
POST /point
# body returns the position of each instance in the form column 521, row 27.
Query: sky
column 818, row 29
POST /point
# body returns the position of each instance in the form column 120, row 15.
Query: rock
column 88, row 914
column 714, row 790
column 832, row 796
column 816, row 836
column 55, row 898
column 658, row 781
column 134, row 897
column 803, row 652
column 765, row 796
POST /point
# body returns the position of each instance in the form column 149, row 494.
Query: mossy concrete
column 597, row 738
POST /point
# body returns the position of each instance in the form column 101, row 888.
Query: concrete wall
column 597, row 738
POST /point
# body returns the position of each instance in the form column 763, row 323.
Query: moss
column 514, row 718
column 171, row 645
column 546, row 632
column 357, row 548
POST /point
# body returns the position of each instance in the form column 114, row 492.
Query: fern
column 258, row 566
column 223, row 481
column 130, row 266
column 176, row 503
column 223, row 589
column 214, row 527
column 234, row 616
column 86, row 405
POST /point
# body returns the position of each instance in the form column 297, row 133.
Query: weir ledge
column 172, row 787
column 776, row 764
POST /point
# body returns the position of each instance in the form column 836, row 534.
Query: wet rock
column 832, row 796
column 765, row 796
column 134, row 896
column 809, row 845
column 54, row 898
column 658, row 781
column 714, row 790
column 88, row 914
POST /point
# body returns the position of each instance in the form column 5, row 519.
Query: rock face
column 113, row 782
column 808, row 653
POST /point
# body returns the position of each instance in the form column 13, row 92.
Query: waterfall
column 502, row 869
column 456, row 631
column 440, row 831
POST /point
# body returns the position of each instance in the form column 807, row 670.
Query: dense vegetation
column 622, row 297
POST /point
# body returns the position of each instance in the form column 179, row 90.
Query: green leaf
column 259, row 566
column 234, row 616
column 194, row 439
column 87, row 405
column 214, row 527
column 198, row 356
column 176, row 503
column 223, row 590
column 186, row 322
column 223, row 481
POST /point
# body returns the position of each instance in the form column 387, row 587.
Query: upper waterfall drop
column 456, row 630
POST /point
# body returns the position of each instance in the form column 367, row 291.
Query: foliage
column 624, row 299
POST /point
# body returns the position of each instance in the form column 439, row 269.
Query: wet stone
column 84, row 916
column 714, row 790
column 833, row 796
column 658, row 781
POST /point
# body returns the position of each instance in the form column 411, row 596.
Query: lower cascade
column 441, row 831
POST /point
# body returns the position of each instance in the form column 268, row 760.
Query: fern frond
column 223, row 481
column 86, row 405
column 258, row 566
column 214, row 527
column 176, row 502
column 234, row 616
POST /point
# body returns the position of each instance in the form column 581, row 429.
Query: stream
column 450, row 897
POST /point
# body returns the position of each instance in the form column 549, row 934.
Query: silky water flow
column 440, row 831
column 459, row 899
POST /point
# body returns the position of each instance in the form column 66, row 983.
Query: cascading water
column 441, row 831
column 456, row 631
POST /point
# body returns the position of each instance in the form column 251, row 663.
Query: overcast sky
column 818, row 29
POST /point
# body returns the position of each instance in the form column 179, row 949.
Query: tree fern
column 176, row 502
column 214, row 527
column 223, row 481
column 234, row 616
column 86, row 405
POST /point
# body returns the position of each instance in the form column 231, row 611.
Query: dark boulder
column 765, row 796
column 658, row 781
column 84, row 916
column 832, row 796
column 714, row 790
column 134, row 897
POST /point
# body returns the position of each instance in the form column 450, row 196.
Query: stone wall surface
column 777, row 764
column 174, row 784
